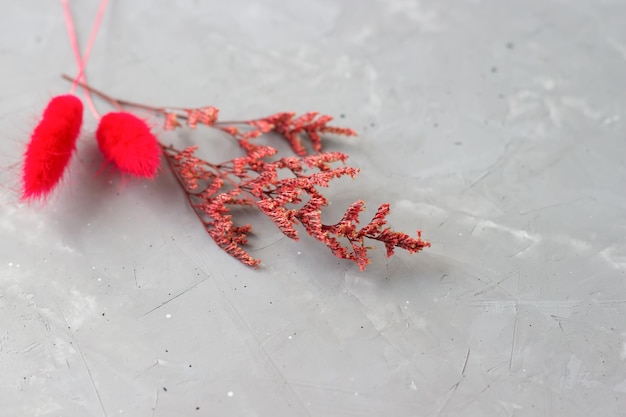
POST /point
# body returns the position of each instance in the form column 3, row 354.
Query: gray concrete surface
column 495, row 126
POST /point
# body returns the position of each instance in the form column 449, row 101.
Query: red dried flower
column 51, row 146
column 126, row 141
column 211, row 189
column 291, row 129
column 284, row 189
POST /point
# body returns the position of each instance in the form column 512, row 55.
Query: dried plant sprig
column 285, row 189
column 293, row 129
column 252, row 180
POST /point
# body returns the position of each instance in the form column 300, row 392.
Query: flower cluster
column 286, row 189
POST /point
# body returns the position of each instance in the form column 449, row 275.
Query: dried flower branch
column 257, row 178
column 285, row 189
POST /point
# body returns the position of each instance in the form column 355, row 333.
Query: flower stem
column 120, row 104
column 114, row 101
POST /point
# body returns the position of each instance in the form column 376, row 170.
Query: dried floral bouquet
column 255, row 179
column 286, row 188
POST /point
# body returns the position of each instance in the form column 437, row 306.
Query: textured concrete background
column 495, row 126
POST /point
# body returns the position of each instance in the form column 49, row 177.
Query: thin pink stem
column 92, row 38
column 82, row 62
column 117, row 103
column 69, row 23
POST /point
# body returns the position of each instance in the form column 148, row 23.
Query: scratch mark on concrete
column 559, row 320
column 539, row 304
column 482, row 290
column 30, row 347
column 82, row 357
column 268, row 245
column 513, row 339
column 320, row 386
column 613, row 303
column 276, row 333
column 454, row 387
column 156, row 403
column 452, row 391
column 496, row 366
column 465, row 363
column 500, row 160
column 550, row 206
column 242, row 323
column 175, row 297
column 255, row 346
column 135, row 275
column 478, row 180
column 522, row 251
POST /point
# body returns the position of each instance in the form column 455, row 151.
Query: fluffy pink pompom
column 126, row 141
column 51, row 146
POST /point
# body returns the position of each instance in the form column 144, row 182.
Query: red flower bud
column 126, row 141
column 51, row 146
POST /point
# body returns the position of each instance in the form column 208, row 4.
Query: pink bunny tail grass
column 51, row 146
column 126, row 141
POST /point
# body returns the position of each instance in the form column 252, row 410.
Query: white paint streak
column 518, row 233
column 615, row 257
column 428, row 20
column 561, row 308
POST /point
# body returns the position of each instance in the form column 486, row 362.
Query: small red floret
column 126, row 141
column 51, row 146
